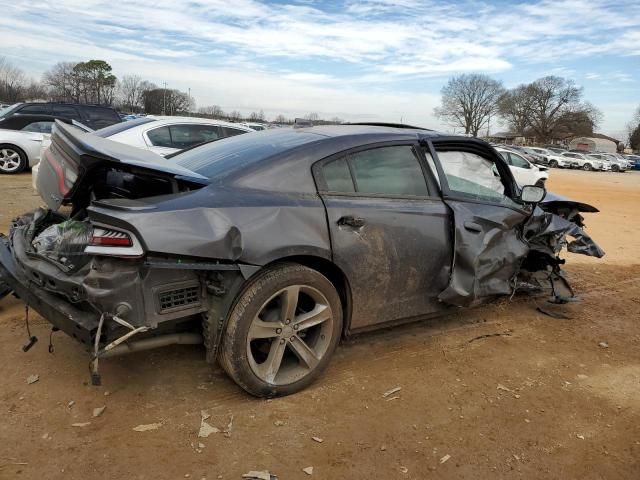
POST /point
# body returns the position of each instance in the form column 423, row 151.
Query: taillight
column 104, row 237
column 65, row 174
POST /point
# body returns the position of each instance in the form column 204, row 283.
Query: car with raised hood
column 525, row 172
column 93, row 116
column 21, row 138
column 269, row 248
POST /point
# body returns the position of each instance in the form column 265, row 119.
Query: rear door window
column 517, row 161
column 391, row 171
column 189, row 135
column 230, row 131
column 338, row 177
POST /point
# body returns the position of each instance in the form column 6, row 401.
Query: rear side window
column 517, row 161
column 38, row 127
column 37, row 109
column 100, row 117
column 393, row 171
column 160, row 137
column 66, row 111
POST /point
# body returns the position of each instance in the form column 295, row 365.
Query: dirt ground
column 542, row 400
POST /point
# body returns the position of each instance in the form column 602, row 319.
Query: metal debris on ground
column 262, row 475
column 278, row 423
column 32, row 379
column 308, row 470
column 581, row 437
column 71, row 404
column 489, row 335
column 391, row 392
column 147, row 427
column 393, row 398
column 603, row 345
column 502, row 387
column 317, row 439
column 80, row 425
column 553, row 313
column 98, row 411
column 404, row 469
column 445, row 458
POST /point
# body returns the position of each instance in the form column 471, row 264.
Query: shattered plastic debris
column 98, row 411
column 308, row 470
column 147, row 427
column 445, row 458
column 64, row 242
column 80, row 425
column 32, row 379
column 391, row 392
column 205, row 428
column 261, row 475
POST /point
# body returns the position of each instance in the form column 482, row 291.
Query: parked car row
column 560, row 158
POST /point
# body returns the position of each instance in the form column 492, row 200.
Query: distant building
column 597, row 143
column 507, row 138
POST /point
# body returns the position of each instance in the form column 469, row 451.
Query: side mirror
column 532, row 194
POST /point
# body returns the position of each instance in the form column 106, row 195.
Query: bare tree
column 235, row 116
column 280, row 119
column 515, row 106
column 469, row 101
column 551, row 98
column 313, row 116
column 130, row 91
column 64, row 85
column 213, row 111
column 12, row 81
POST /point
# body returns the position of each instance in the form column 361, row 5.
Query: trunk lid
column 73, row 155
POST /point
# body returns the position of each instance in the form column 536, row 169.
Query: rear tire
column 587, row 167
column 553, row 164
column 615, row 168
column 274, row 344
column 12, row 160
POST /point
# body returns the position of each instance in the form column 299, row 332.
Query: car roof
column 168, row 120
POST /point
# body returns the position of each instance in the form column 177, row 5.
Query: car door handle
column 473, row 227
column 350, row 221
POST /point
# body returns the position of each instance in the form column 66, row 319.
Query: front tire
column 615, row 168
column 553, row 164
column 587, row 167
column 282, row 331
column 12, row 160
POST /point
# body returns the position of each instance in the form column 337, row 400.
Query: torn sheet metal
column 496, row 254
column 488, row 251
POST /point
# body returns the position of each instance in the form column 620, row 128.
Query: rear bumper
column 76, row 323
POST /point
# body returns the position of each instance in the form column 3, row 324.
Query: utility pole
column 164, row 98
column 189, row 106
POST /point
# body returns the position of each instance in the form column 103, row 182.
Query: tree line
column 549, row 108
column 94, row 82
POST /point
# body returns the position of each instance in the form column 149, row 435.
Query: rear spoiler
column 72, row 154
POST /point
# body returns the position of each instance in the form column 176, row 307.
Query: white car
column 580, row 160
column 166, row 135
column 553, row 159
column 163, row 135
column 525, row 172
column 255, row 126
column 615, row 164
column 21, row 137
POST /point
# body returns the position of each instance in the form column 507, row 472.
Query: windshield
column 121, row 127
column 225, row 157
column 5, row 111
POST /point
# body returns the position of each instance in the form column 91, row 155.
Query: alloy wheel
column 9, row 160
column 290, row 335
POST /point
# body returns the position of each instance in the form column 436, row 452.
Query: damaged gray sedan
column 270, row 247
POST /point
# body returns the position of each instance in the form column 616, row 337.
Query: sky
column 360, row 60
